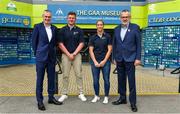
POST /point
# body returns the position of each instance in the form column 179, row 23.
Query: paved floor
column 146, row 104
column 19, row 80
column 17, row 87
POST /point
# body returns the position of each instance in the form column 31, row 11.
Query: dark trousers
column 96, row 75
column 126, row 69
column 40, row 70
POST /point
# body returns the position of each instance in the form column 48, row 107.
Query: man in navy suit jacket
column 44, row 43
column 127, row 55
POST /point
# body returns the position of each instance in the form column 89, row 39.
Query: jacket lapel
column 127, row 32
column 119, row 33
column 45, row 33
column 52, row 30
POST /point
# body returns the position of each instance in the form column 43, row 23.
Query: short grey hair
column 125, row 10
column 47, row 11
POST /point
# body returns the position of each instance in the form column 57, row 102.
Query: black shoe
column 134, row 108
column 41, row 106
column 54, row 101
column 118, row 102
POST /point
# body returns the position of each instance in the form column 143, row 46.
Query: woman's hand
column 102, row 63
column 96, row 64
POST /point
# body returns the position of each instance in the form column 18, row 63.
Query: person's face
column 71, row 19
column 100, row 26
column 47, row 17
column 125, row 18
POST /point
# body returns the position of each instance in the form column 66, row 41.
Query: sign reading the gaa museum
column 164, row 19
column 87, row 14
column 14, row 20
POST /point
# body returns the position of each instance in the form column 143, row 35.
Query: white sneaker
column 62, row 98
column 105, row 100
column 82, row 97
column 95, row 99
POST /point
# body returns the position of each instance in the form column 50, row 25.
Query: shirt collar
column 71, row 27
column 125, row 27
column 47, row 26
column 102, row 34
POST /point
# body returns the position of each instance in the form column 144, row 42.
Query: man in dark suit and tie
column 127, row 55
column 44, row 41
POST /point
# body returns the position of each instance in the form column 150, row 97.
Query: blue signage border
column 87, row 14
column 15, row 20
column 164, row 19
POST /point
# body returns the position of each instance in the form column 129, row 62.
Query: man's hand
column 71, row 57
column 137, row 62
column 74, row 54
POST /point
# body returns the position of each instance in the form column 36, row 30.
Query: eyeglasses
column 125, row 17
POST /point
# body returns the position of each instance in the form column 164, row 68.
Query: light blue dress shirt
column 123, row 31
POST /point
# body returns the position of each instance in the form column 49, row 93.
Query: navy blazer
column 43, row 49
column 129, row 49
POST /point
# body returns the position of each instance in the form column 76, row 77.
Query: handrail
column 115, row 71
column 176, row 71
column 82, row 51
column 58, row 63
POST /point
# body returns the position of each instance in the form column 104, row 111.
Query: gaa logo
column 26, row 22
column 11, row 6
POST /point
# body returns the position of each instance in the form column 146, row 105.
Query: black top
column 71, row 38
column 100, row 45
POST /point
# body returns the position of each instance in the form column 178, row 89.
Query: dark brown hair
column 100, row 21
column 72, row 13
